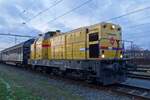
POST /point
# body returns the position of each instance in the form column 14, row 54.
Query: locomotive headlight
column 103, row 56
column 121, row 56
column 113, row 26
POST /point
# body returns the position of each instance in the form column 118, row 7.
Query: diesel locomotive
column 93, row 53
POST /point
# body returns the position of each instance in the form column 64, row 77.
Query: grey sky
column 15, row 12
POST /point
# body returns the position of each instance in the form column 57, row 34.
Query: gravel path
column 51, row 89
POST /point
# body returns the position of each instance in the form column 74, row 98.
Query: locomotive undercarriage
column 102, row 71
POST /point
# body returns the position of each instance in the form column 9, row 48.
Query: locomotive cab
column 110, row 41
column 104, row 42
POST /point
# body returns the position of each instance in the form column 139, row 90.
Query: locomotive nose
column 115, row 67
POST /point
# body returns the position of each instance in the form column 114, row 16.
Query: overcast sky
column 13, row 13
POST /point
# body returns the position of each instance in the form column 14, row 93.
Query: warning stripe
column 103, row 47
column 113, row 48
column 117, row 48
column 46, row 45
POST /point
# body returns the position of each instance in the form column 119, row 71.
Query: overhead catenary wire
column 38, row 14
column 127, row 28
column 113, row 18
column 139, row 36
column 141, row 19
column 138, row 25
column 128, row 13
column 32, row 2
column 9, row 34
column 15, row 36
column 68, row 12
column 41, row 12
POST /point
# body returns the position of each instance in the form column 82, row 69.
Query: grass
column 3, row 92
column 15, row 93
column 21, row 93
column 21, row 87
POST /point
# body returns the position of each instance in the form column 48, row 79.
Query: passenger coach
column 18, row 54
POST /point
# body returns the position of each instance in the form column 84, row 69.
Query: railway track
column 138, row 92
column 141, row 72
column 121, row 89
column 139, row 76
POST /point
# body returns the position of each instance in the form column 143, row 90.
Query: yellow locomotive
column 101, row 41
column 94, row 52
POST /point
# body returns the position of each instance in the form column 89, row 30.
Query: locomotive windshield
column 93, row 37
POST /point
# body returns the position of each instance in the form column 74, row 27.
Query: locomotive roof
column 86, row 27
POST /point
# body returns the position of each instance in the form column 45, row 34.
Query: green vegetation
column 3, row 92
column 15, row 93
column 19, row 85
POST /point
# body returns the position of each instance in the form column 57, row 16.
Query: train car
column 94, row 52
column 18, row 54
